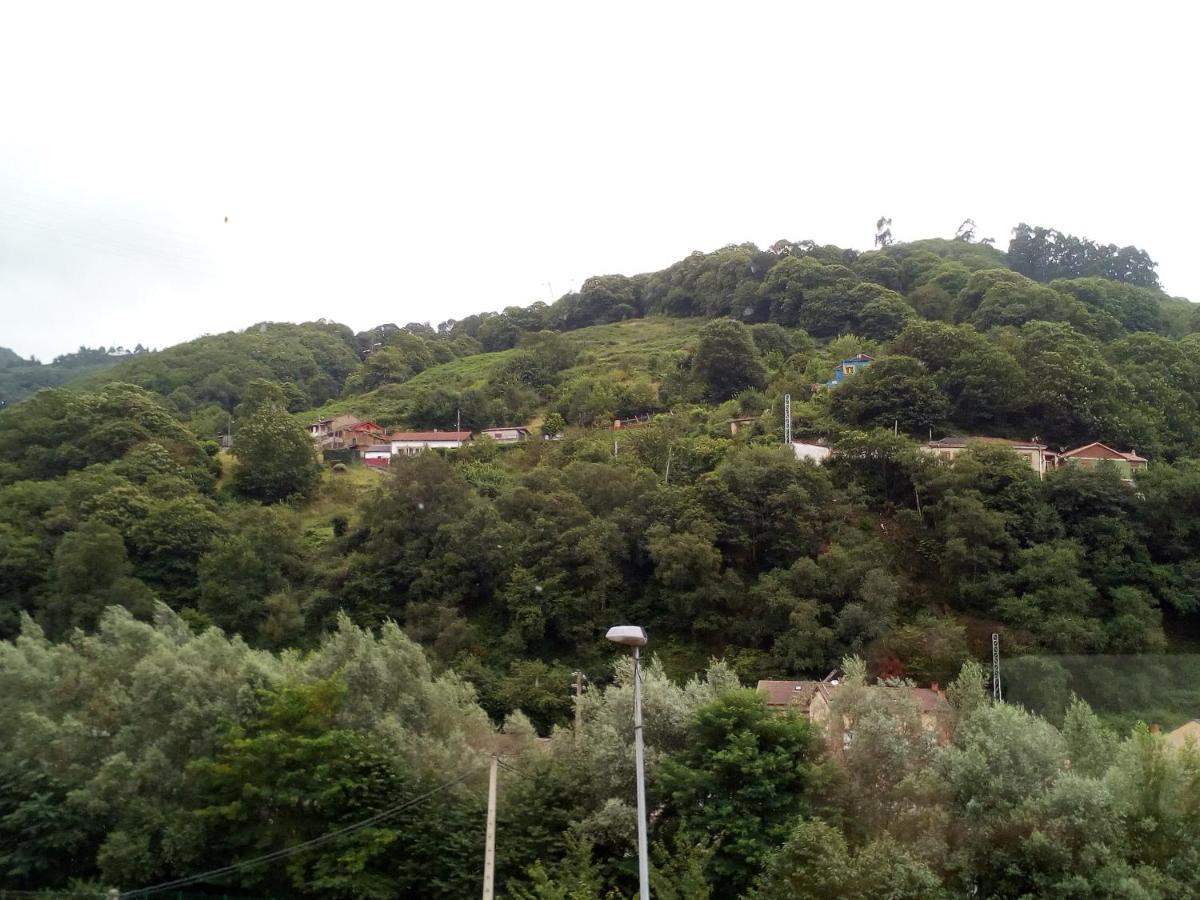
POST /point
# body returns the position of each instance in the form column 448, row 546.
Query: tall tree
column 275, row 455
column 727, row 361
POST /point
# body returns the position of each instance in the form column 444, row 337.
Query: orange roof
column 787, row 693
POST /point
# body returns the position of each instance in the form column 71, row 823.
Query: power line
column 287, row 851
column 507, row 768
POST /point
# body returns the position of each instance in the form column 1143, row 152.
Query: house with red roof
column 345, row 431
column 1095, row 453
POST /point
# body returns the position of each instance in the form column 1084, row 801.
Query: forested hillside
column 21, row 377
column 247, row 584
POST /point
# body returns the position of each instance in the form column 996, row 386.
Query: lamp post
column 634, row 636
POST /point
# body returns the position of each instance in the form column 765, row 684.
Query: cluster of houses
column 1038, row 455
column 375, row 446
column 1040, row 458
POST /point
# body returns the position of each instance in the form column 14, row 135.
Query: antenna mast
column 996, row 694
column 787, row 419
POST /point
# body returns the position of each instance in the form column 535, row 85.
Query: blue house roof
column 849, row 367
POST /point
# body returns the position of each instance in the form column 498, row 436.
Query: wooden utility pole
column 489, row 847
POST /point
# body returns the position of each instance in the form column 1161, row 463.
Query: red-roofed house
column 363, row 434
column 1094, row 453
column 410, row 443
column 345, row 431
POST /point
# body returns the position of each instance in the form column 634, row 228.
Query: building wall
column 1123, row 465
column 1035, row 458
column 505, row 434
column 412, row 448
column 815, row 452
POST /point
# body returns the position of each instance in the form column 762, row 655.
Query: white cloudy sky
column 400, row 162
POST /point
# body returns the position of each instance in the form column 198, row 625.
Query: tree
column 816, row 863
column 292, row 774
column 91, row 571
column 726, row 359
column 553, row 424
column 895, row 391
column 883, row 232
column 275, row 457
column 745, row 776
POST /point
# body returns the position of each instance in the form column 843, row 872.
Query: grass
column 631, row 347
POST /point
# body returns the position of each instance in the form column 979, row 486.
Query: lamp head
column 629, row 635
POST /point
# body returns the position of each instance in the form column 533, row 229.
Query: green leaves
column 727, row 360
column 275, row 457
column 742, row 780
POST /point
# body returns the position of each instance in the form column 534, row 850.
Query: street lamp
column 634, row 636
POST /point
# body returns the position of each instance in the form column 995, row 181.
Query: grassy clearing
column 625, row 348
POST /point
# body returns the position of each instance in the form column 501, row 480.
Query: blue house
column 848, row 367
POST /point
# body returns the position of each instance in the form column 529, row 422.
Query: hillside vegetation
column 253, row 583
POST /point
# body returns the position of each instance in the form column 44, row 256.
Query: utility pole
column 489, row 847
column 640, row 760
column 458, row 420
column 996, row 693
column 580, row 678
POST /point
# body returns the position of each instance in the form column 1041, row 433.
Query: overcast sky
column 407, row 162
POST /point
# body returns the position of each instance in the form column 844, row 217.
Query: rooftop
column 953, row 443
column 430, row 436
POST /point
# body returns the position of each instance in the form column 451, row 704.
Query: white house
column 817, row 452
column 410, row 443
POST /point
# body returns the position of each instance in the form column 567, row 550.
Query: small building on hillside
column 363, row 434
column 815, row 449
column 814, row 699
column 632, row 421
column 1039, row 458
column 1095, row 453
column 736, row 425
column 507, row 434
column 345, row 431
column 848, row 367
column 1188, row 731
column 410, row 443
column 377, row 455
column 795, row 695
